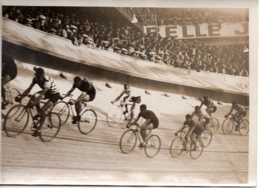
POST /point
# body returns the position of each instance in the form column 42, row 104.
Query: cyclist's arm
column 135, row 121
column 202, row 102
column 27, row 91
column 41, row 94
column 70, row 91
column 181, row 129
column 121, row 94
column 229, row 111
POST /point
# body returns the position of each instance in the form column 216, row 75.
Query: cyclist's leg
column 84, row 97
column 5, row 79
column 145, row 126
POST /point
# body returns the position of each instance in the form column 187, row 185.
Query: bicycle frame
column 138, row 133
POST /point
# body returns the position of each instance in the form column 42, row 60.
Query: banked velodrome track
column 73, row 158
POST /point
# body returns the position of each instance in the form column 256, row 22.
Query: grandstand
column 209, row 40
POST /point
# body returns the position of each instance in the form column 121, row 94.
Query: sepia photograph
column 129, row 93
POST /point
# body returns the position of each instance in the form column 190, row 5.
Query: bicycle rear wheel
column 63, row 110
column 88, row 121
column 244, row 127
column 176, row 147
column 50, row 127
column 227, row 126
column 128, row 141
column 213, row 125
column 16, row 120
column 115, row 117
column 152, row 146
column 196, row 149
column 206, row 137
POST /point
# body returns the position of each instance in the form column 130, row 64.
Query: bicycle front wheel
column 227, row 126
column 88, row 121
column 244, row 127
column 114, row 116
column 152, row 146
column 128, row 141
column 206, row 137
column 16, row 120
column 50, row 127
column 196, row 149
column 177, row 147
column 63, row 110
column 213, row 125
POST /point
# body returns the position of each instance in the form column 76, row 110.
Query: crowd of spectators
column 127, row 40
column 186, row 16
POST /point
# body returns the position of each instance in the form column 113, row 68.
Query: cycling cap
column 77, row 79
column 205, row 97
column 39, row 70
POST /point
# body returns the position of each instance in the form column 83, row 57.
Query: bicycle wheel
column 63, row 110
column 10, row 94
column 50, row 127
column 128, row 141
column 244, row 127
column 206, row 137
column 176, row 147
column 227, row 126
column 196, row 149
column 115, row 116
column 152, row 146
column 16, row 120
column 213, row 125
column 88, row 121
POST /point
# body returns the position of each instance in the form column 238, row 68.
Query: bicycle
column 115, row 116
column 88, row 117
column 213, row 125
column 17, row 119
column 230, row 122
column 129, row 138
column 179, row 144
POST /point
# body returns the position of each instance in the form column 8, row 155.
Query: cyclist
column 239, row 114
column 9, row 72
column 151, row 122
column 211, row 107
column 203, row 117
column 48, row 92
column 88, row 93
column 194, row 131
column 127, row 93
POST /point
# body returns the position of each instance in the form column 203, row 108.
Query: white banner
column 204, row 30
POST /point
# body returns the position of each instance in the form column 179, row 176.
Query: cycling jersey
column 86, row 87
column 45, row 82
column 208, row 103
column 193, row 124
column 147, row 114
column 201, row 114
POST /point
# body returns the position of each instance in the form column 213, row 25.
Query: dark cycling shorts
column 53, row 97
column 155, row 123
column 92, row 94
column 197, row 130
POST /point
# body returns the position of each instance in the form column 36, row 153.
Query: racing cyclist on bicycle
column 194, row 131
column 9, row 72
column 240, row 113
column 88, row 93
column 203, row 117
column 126, row 91
column 151, row 122
column 211, row 107
column 48, row 92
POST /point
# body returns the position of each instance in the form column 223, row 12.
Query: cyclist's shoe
column 75, row 119
column 141, row 145
column 236, row 128
column 36, row 133
column 18, row 98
